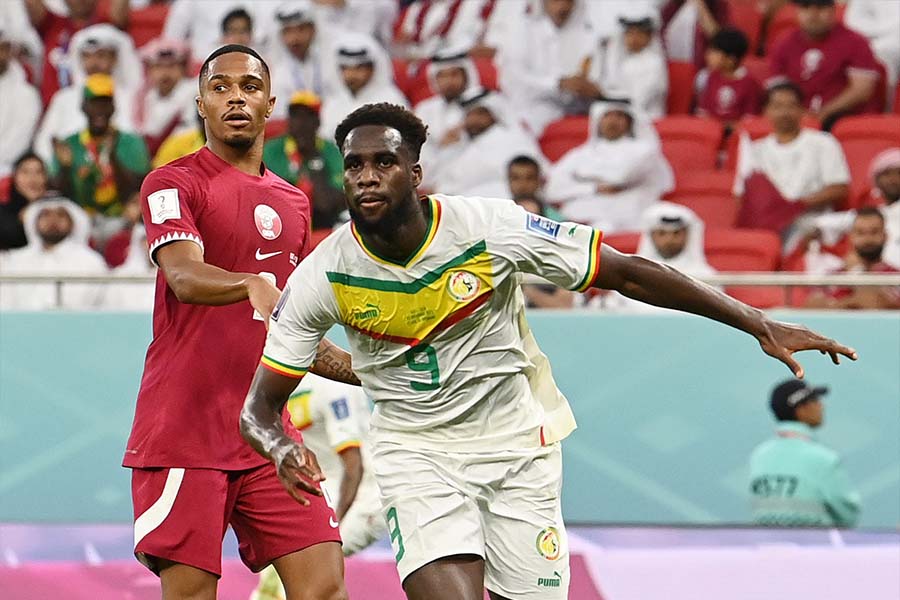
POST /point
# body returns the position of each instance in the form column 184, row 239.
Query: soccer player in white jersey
column 466, row 456
column 334, row 420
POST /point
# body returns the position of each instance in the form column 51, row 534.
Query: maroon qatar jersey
column 202, row 358
column 821, row 67
column 728, row 99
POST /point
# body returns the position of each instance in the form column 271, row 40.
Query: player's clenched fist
column 298, row 471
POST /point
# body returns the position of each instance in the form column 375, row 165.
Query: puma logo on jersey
column 261, row 256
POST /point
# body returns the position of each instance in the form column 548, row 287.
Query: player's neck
column 246, row 160
column 399, row 242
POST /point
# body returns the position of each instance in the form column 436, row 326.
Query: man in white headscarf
column 299, row 56
column 21, row 106
column 133, row 296
column 57, row 231
column 450, row 73
column 545, row 64
column 370, row 17
column 673, row 235
column 618, row 173
column 365, row 75
column 476, row 165
column 95, row 49
column 168, row 105
column 200, row 23
column 633, row 63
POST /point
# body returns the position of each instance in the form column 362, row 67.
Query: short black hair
column 523, row 160
column 228, row 49
column 869, row 211
column 730, row 42
column 412, row 130
column 784, row 85
column 237, row 13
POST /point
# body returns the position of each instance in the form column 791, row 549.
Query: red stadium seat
column 689, row 142
column 862, row 138
column 716, row 210
column 681, row 88
column 740, row 250
column 897, row 100
column 561, row 136
column 756, row 127
column 145, row 24
column 705, row 182
column 626, row 243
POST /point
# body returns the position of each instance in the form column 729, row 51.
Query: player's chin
column 239, row 139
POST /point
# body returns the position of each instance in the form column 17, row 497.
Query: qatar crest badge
column 268, row 222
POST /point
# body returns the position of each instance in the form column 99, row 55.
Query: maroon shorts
column 181, row 515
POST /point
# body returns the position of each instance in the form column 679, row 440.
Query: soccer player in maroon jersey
column 226, row 233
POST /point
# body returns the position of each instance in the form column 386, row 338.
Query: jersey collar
column 434, row 217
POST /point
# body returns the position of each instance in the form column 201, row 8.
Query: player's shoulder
column 471, row 208
column 183, row 172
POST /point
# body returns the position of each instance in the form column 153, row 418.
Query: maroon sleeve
column 778, row 59
column 860, row 55
column 170, row 203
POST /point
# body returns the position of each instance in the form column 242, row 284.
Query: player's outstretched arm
column 261, row 426
column 333, row 362
column 196, row 282
column 660, row 285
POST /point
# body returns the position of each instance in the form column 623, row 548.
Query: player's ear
column 271, row 106
column 417, row 175
column 197, row 99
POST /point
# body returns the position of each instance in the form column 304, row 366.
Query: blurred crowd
column 729, row 135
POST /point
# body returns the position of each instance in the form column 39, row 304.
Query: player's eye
column 220, row 88
column 251, row 87
column 386, row 161
column 352, row 165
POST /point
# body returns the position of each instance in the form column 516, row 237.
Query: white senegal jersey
column 436, row 339
column 333, row 417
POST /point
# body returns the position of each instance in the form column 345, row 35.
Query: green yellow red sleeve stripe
column 347, row 445
column 282, row 368
column 593, row 268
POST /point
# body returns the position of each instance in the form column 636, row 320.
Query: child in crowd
column 726, row 90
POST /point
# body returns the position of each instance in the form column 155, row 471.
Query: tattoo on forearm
column 334, row 363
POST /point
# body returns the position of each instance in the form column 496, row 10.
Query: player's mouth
column 237, row 119
column 370, row 201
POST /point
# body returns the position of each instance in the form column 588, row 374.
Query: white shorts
column 503, row 506
column 364, row 522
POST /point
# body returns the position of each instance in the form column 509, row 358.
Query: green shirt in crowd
column 92, row 181
column 797, row 482
column 282, row 158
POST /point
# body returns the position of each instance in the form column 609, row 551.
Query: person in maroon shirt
column 867, row 239
column 56, row 31
column 225, row 232
column 730, row 91
column 833, row 65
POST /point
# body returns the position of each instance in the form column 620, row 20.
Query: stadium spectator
column 429, row 25
column 546, row 66
column 369, row 17
column 477, row 163
column 181, row 144
column 133, row 296
column 101, row 167
column 867, row 241
column 57, row 31
column 833, row 65
column 689, row 24
column 27, row 46
column 878, row 22
column 168, row 105
column 300, row 62
column 604, row 16
column 795, row 481
column 610, row 180
column 27, row 184
column 525, row 182
column 57, row 231
column 790, row 175
column 312, row 163
column 200, row 23
column 726, row 90
column 237, row 28
column 633, row 63
column 21, row 106
column 366, row 75
column 450, row 73
column 671, row 234
column 97, row 49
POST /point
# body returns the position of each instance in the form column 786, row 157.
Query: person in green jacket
column 796, row 481
column 305, row 160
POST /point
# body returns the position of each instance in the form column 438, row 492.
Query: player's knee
column 331, row 590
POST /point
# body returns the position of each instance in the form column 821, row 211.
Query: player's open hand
column 263, row 296
column 299, row 472
column 781, row 340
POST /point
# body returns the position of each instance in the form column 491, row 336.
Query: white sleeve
column 304, row 313
column 567, row 254
column 339, row 407
column 832, row 162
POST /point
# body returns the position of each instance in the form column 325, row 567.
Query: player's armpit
column 333, row 362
